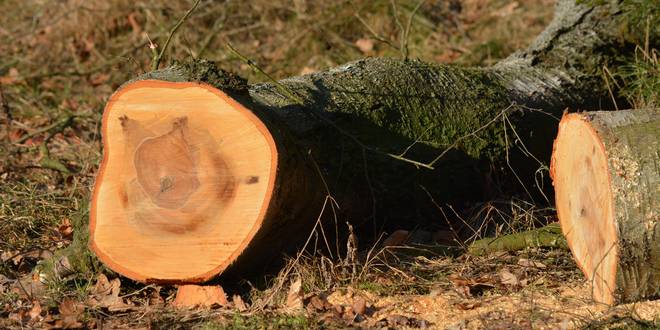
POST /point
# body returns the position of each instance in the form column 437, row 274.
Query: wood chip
column 191, row 296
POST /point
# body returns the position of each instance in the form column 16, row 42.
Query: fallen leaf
column 470, row 287
column 29, row 286
column 35, row 311
column 319, row 304
column 15, row 135
column 397, row 320
column 99, row 79
column 10, row 78
column 65, row 229
column 154, row 297
column 70, row 311
column 294, row 299
column 508, row 278
column 359, row 306
column 531, row 263
column 14, row 256
column 365, row 45
column 135, row 26
column 468, row 305
column 239, row 304
column 396, row 238
column 106, row 295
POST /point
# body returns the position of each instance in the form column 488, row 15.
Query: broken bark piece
column 548, row 236
column 397, row 238
column 191, row 296
column 607, row 189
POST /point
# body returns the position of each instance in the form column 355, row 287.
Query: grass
column 67, row 57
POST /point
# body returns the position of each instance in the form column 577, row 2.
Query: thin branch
column 57, row 126
column 7, row 111
column 157, row 58
column 376, row 35
column 406, row 33
column 95, row 69
column 395, row 12
column 285, row 90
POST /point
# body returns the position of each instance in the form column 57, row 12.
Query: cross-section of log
column 186, row 180
column 606, row 172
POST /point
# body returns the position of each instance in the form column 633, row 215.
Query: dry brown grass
column 60, row 58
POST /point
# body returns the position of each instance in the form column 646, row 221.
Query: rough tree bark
column 337, row 130
column 607, row 186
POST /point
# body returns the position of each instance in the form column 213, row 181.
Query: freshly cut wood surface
column 185, row 181
column 606, row 178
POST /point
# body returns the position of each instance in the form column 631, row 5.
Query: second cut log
column 606, row 172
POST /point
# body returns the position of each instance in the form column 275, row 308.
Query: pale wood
column 191, row 296
column 605, row 173
column 185, row 181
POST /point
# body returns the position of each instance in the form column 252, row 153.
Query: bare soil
column 61, row 60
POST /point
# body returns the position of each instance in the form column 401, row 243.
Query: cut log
column 606, row 173
column 187, row 178
column 194, row 180
column 192, row 296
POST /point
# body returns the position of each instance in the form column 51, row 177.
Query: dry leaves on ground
column 105, row 294
column 294, row 299
column 70, row 312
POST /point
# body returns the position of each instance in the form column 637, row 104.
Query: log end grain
column 185, row 182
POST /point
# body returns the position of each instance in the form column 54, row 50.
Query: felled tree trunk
column 201, row 171
column 607, row 189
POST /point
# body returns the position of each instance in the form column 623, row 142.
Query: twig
column 290, row 267
column 157, row 58
column 607, row 83
column 450, row 147
column 5, row 108
column 57, row 126
column 48, row 162
column 95, row 69
column 395, row 12
column 376, row 35
column 285, row 90
column 406, row 33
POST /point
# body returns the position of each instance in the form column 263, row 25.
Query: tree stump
column 606, row 172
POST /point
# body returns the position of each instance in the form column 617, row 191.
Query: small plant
column 641, row 78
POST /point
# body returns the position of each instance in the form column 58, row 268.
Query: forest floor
column 61, row 60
